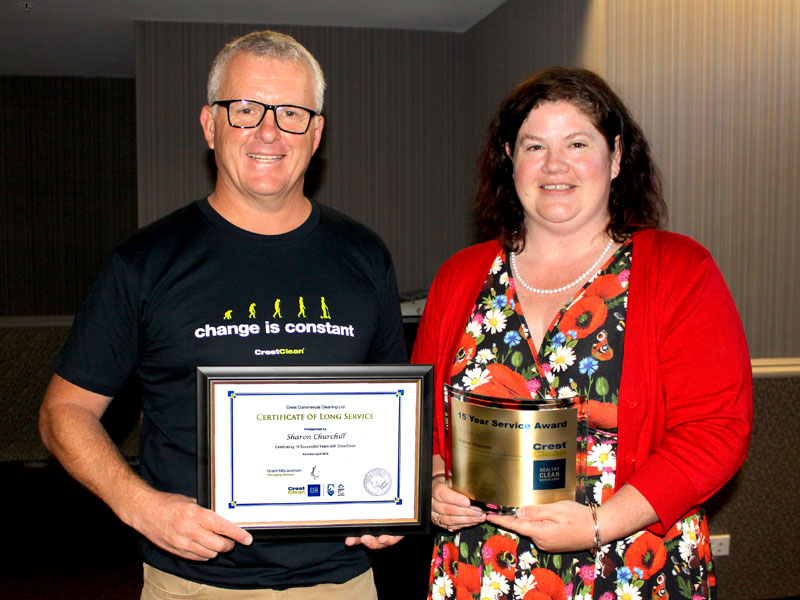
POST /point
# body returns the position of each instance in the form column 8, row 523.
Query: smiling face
column 563, row 170
column 262, row 167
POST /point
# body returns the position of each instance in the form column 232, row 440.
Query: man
column 157, row 311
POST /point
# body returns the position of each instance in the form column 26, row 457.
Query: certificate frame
column 258, row 430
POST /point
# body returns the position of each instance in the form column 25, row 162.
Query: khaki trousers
column 159, row 585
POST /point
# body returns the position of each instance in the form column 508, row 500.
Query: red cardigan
column 686, row 395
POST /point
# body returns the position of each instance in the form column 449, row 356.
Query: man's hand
column 70, row 426
column 179, row 525
column 372, row 542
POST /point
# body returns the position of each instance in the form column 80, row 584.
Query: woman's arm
column 569, row 526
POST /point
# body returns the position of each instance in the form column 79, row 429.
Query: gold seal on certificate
column 320, row 450
column 506, row 453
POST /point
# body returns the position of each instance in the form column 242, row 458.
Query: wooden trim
column 765, row 368
column 38, row 321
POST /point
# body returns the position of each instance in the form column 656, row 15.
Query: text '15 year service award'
column 512, row 452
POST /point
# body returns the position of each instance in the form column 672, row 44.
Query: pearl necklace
column 563, row 288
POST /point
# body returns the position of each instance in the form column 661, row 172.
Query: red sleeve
column 693, row 415
column 447, row 309
column 427, row 351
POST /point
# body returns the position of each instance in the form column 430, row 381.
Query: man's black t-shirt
column 194, row 290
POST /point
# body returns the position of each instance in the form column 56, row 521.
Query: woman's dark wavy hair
column 636, row 200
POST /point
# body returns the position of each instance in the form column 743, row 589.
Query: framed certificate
column 316, row 450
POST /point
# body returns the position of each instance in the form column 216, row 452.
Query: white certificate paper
column 321, row 453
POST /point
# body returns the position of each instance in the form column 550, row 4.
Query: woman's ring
column 439, row 523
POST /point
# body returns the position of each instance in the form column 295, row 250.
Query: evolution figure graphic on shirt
column 251, row 311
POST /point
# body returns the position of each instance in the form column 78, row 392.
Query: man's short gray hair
column 271, row 44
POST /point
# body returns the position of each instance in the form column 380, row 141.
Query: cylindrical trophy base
column 507, row 453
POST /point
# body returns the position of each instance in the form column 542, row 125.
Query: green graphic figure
column 277, row 312
column 253, row 310
column 228, row 315
column 325, row 313
column 302, row 312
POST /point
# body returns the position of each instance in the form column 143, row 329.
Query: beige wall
column 716, row 86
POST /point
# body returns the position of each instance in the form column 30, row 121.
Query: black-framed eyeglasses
column 246, row 114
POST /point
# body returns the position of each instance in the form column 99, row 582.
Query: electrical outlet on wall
column 721, row 545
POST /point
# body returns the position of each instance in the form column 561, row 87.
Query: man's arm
column 69, row 423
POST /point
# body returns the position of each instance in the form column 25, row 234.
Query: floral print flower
column 688, row 549
column 558, row 340
column 566, row 392
column 474, row 378
column 562, row 358
column 495, row 321
column 484, row 356
column 512, row 338
column 505, row 383
column 494, row 584
column 605, row 287
column 624, row 574
column 449, row 556
column 526, row 561
column 548, row 586
column 604, row 488
column 475, row 328
column 442, row 587
column 496, row 265
column 533, row 386
column 469, row 578
column 500, row 552
column 585, row 316
column 588, row 366
column 523, row 585
column 500, row 301
column 628, row 591
column 586, row 573
column 647, row 552
column 602, row 456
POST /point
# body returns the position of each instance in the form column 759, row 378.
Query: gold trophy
column 506, row 453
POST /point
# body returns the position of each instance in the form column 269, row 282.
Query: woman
column 580, row 292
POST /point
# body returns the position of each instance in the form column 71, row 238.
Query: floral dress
column 581, row 354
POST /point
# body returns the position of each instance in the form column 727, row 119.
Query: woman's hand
column 452, row 510
column 560, row 527
column 569, row 527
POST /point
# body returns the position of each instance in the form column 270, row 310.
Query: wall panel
column 391, row 152
column 715, row 87
column 67, row 187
